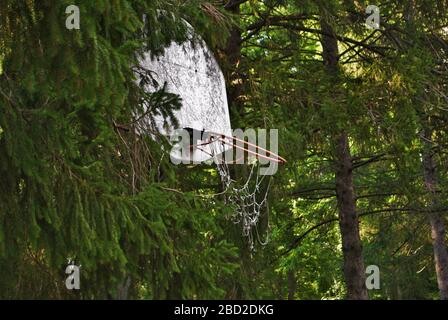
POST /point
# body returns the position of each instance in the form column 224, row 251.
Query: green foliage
column 380, row 98
column 68, row 181
column 80, row 182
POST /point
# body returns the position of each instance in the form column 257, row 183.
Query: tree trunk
column 292, row 285
column 354, row 271
column 231, row 67
column 436, row 220
column 230, row 58
column 123, row 289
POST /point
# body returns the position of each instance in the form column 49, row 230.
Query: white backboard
column 191, row 71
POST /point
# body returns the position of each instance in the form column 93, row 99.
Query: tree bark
column 354, row 271
column 231, row 67
column 292, row 285
column 436, row 220
column 123, row 289
column 230, row 59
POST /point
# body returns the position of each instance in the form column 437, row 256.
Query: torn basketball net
column 191, row 71
column 247, row 199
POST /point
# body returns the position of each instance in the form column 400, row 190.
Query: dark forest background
column 362, row 116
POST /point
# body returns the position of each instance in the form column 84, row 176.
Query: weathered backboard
column 191, row 71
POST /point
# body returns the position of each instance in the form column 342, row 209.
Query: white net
column 247, row 201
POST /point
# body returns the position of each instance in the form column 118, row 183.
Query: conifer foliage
column 362, row 120
column 74, row 184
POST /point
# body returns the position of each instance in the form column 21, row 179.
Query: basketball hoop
column 245, row 199
column 191, row 71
